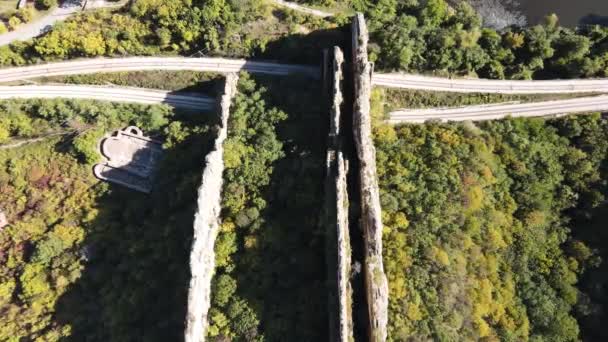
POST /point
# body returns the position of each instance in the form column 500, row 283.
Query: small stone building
column 130, row 159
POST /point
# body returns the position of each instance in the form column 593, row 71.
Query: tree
column 434, row 13
column 26, row 14
column 14, row 22
column 467, row 16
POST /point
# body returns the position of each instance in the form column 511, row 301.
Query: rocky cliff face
column 345, row 292
column 341, row 325
column 206, row 226
column 371, row 223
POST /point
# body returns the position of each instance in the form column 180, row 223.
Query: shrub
column 14, row 22
column 85, row 145
column 26, row 14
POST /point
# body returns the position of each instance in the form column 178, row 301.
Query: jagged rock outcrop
column 206, row 226
column 345, row 291
column 375, row 279
column 336, row 216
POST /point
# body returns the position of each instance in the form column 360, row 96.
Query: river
column 570, row 12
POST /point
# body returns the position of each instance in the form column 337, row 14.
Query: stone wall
column 339, row 249
column 206, row 226
column 375, row 279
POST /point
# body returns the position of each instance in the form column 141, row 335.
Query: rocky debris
column 336, row 216
column 3, row 220
column 375, row 279
column 206, row 226
column 131, row 159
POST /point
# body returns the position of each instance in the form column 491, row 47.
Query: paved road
column 490, row 86
column 90, row 66
column 104, row 93
column 302, row 9
column 502, row 110
column 44, row 24
column 225, row 65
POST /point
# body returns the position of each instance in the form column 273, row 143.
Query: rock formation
column 375, row 279
column 206, row 226
column 336, row 216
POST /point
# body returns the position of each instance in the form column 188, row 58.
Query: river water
column 570, row 12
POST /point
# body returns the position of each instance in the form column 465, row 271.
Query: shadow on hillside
column 135, row 278
column 286, row 275
column 134, row 284
column 592, row 308
column 304, row 48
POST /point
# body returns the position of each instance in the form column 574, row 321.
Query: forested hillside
column 489, row 227
column 429, row 36
column 270, row 280
column 185, row 27
column 84, row 260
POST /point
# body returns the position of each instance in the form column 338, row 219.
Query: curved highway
column 463, row 85
column 97, row 65
column 502, row 110
column 115, row 94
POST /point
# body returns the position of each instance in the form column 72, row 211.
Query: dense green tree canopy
column 478, row 243
column 427, row 36
column 79, row 259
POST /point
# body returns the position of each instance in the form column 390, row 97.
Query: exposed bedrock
column 376, row 285
column 336, row 214
column 206, row 226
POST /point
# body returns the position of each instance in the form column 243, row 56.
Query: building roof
column 131, row 159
